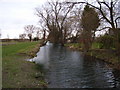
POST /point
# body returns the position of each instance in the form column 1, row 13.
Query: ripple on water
column 69, row 69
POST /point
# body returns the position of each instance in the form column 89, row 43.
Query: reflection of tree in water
column 116, row 74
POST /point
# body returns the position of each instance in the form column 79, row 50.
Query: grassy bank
column 16, row 71
column 106, row 55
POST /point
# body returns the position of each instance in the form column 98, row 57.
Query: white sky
column 15, row 14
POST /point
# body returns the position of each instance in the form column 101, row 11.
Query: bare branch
column 114, row 3
column 116, row 21
column 106, row 4
column 103, row 28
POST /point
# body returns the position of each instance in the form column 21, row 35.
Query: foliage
column 35, row 38
column 90, row 19
column 96, row 45
column 90, row 22
column 107, row 41
column 75, row 45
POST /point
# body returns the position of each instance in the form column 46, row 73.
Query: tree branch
column 116, row 21
column 103, row 28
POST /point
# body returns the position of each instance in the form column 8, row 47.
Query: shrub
column 35, row 39
column 106, row 41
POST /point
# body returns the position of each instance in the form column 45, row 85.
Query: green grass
column 96, row 45
column 16, row 71
column 17, row 48
column 79, row 45
column 73, row 44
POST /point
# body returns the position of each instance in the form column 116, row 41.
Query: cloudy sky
column 15, row 14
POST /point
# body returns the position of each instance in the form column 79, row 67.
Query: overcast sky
column 15, row 14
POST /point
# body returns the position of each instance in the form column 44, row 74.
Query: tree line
column 79, row 21
column 29, row 31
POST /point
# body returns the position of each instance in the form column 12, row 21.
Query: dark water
column 69, row 69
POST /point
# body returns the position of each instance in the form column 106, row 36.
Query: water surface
column 69, row 69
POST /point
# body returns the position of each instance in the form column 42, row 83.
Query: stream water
column 70, row 69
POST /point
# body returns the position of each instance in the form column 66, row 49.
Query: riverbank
column 108, row 56
column 17, row 72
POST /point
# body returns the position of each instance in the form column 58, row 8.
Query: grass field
column 17, row 72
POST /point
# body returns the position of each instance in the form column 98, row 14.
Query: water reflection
column 69, row 69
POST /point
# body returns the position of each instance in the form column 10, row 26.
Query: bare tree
column 111, row 18
column 55, row 18
column 108, row 13
column 29, row 29
column 22, row 36
column 75, row 20
column 43, row 30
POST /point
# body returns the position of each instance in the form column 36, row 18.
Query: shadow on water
column 70, row 69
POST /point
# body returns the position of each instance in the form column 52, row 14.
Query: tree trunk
column 87, row 41
column 30, row 38
column 44, row 34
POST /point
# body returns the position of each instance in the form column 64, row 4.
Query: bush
column 106, row 41
column 35, row 39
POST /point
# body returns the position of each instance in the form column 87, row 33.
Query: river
column 66, row 68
